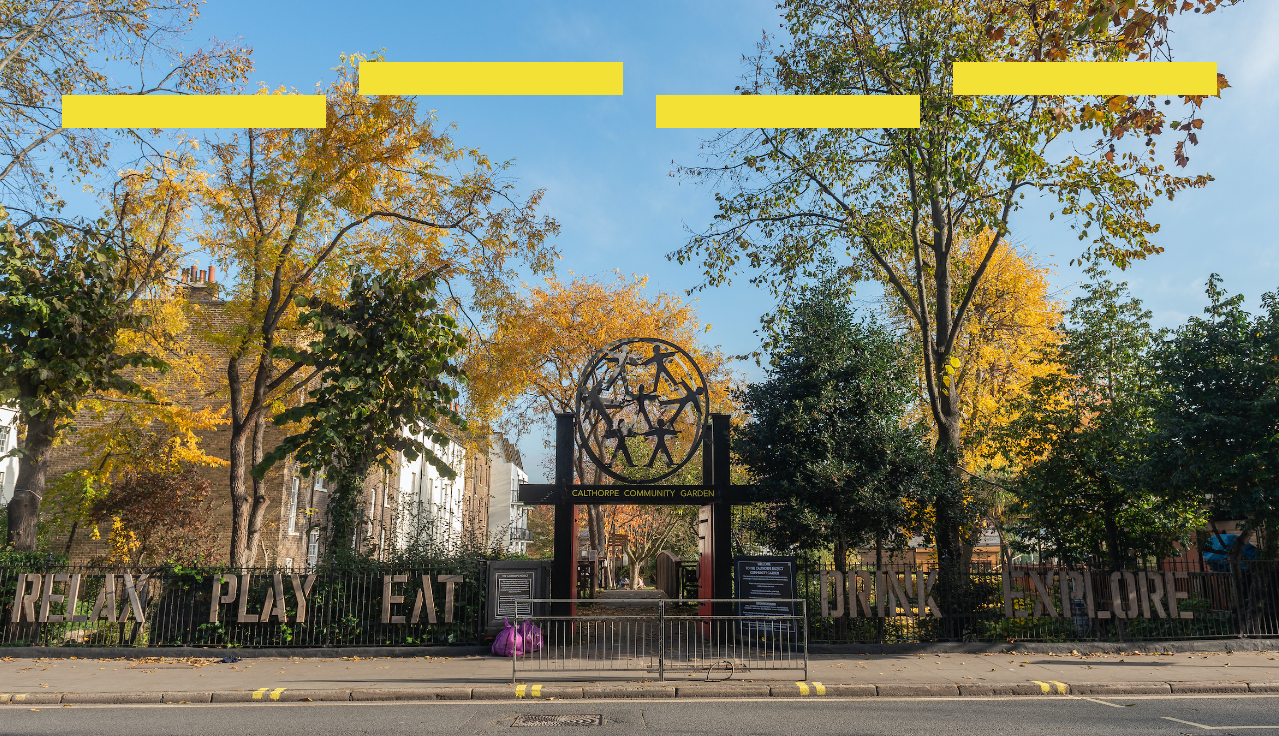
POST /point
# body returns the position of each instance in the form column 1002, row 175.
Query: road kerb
column 35, row 698
column 235, row 696
column 538, row 691
column 723, row 691
column 1004, row 688
column 629, row 692
column 1120, row 688
column 204, row 697
column 288, row 695
column 917, row 690
column 792, row 690
column 527, row 691
column 1188, row 688
column 1263, row 687
column 432, row 693
column 111, row 698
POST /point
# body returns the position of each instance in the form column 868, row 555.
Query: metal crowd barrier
column 673, row 638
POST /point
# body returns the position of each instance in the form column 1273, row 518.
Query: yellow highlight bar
column 491, row 78
column 1085, row 78
column 193, row 111
column 788, row 111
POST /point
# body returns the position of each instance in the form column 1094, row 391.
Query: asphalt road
column 969, row 716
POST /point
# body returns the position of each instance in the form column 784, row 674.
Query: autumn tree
column 1006, row 342
column 650, row 529
column 385, row 375
column 63, row 47
column 289, row 211
column 792, row 201
column 528, row 367
column 156, row 429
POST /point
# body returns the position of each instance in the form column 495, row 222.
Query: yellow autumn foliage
column 1010, row 326
column 527, row 368
column 158, row 432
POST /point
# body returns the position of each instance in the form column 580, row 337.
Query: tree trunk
column 841, row 564
column 71, row 539
column 257, row 512
column 28, row 488
column 948, row 533
column 879, row 594
column 236, row 461
column 1112, row 539
column 344, row 499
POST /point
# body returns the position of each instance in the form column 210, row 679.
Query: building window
column 319, row 483
column 4, row 439
column 288, row 563
column 293, row 506
column 313, row 548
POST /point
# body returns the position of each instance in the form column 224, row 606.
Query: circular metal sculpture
column 641, row 407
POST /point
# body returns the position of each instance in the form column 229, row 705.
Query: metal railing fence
column 672, row 637
column 976, row 605
column 343, row 607
column 350, row 607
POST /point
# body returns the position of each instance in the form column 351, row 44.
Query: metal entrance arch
column 642, row 393
column 715, row 496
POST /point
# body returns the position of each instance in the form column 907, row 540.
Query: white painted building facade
column 428, row 503
column 8, row 463
column 508, row 518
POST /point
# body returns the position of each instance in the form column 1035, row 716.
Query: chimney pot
column 211, row 279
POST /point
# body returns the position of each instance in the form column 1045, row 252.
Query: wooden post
column 705, row 535
column 721, row 523
column 564, row 567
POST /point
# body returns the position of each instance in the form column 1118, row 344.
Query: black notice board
column 766, row 577
column 512, row 584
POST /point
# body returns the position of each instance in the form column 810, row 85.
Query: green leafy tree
column 66, row 293
column 1080, row 436
column 893, row 204
column 827, row 436
column 385, row 373
column 1217, row 429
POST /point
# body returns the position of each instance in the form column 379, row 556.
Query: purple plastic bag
column 508, row 643
column 515, row 641
column 531, row 637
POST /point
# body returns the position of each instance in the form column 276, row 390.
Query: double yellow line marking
column 275, row 694
column 816, row 689
column 532, row 691
column 1047, row 688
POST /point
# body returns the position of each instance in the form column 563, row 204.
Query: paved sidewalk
column 169, row 679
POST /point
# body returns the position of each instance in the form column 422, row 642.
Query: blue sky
column 606, row 168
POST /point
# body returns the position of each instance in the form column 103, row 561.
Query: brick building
column 297, row 503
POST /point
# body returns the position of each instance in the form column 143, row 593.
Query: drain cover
column 562, row 720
